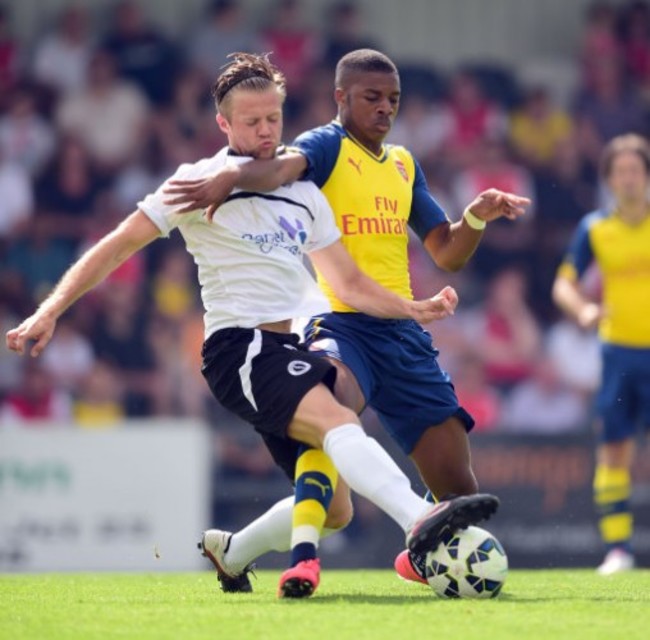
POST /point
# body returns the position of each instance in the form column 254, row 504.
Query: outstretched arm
column 360, row 292
column 95, row 265
column 257, row 175
column 451, row 245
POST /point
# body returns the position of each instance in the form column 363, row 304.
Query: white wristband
column 473, row 221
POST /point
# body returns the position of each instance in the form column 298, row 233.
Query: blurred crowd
column 92, row 119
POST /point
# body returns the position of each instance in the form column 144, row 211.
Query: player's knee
column 616, row 454
column 347, row 416
column 339, row 416
column 312, row 430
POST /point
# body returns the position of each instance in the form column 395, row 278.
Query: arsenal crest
column 402, row 170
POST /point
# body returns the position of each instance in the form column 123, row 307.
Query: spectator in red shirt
column 509, row 336
column 36, row 398
column 468, row 119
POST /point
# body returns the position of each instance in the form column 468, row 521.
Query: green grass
column 349, row 604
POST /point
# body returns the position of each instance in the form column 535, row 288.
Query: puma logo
column 356, row 165
column 323, row 487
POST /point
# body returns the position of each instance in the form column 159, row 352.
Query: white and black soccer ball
column 471, row 563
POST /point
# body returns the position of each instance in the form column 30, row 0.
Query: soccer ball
column 470, row 563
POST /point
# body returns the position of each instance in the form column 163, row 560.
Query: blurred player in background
column 376, row 192
column 618, row 241
column 253, row 282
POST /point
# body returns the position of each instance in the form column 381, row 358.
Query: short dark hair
column 363, row 61
column 253, row 72
column 627, row 143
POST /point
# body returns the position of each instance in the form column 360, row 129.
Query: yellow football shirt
column 375, row 199
column 622, row 252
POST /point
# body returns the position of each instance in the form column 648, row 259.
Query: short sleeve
column 161, row 214
column 426, row 213
column 321, row 148
column 580, row 254
column 324, row 231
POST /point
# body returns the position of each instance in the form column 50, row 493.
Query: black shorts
column 262, row 376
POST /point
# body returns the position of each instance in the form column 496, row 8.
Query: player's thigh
column 617, row 402
column 347, row 389
column 623, row 402
column 343, row 340
column 443, row 459
column 316, row 414
column 340, row 511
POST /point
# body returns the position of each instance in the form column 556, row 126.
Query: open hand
column 204, row 193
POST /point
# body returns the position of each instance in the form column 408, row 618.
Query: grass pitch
column 355, row 605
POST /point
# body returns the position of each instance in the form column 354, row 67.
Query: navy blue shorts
column 397, row 369
column 623, row 401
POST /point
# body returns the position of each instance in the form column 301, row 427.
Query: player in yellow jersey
column 618, row 241
column 376, row 191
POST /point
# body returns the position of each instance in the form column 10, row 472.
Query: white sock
column 367, row 469
column 371, row 472
column 270, row 532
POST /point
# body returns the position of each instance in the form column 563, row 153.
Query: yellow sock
column 316, row 479
column 612, row 489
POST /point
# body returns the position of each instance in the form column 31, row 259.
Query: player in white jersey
column 253, row 282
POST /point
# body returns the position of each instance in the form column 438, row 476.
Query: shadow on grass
column 364, row 598
column 513, row 599
column 401, row 600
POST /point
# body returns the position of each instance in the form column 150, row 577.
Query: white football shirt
column 250, row 257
